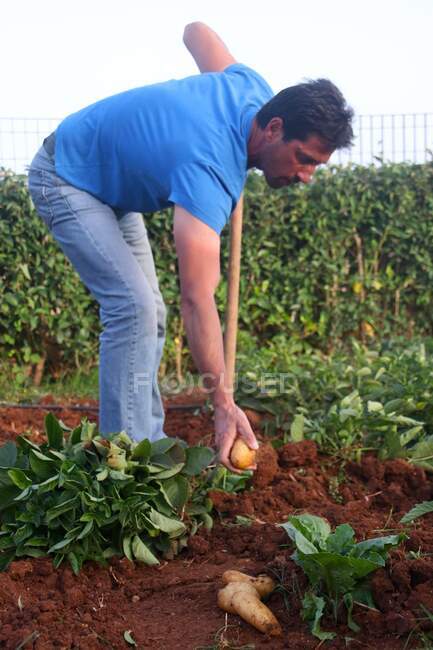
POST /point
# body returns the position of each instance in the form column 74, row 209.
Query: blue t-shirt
column 182, row 141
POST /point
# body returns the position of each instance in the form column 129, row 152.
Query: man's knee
column 135, row 311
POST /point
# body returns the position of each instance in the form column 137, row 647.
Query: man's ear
column 274, row 130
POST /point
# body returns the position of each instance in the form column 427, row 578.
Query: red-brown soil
column 174, row 606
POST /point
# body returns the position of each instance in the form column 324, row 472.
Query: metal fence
column 20, row 138
column 387, row 138
column 406, row 137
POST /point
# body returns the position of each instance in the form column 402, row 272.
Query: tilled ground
column 174, row 605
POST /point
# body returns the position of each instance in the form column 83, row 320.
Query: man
column 186, row 143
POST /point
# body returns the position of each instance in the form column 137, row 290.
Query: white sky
column 60, row 55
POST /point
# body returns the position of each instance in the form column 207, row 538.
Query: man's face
column 286, row 163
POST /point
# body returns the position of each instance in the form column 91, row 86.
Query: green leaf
column 176, row 491
column 86, row 530
column 42, row 466
column 391, row 447
column 301, row 542
column 59, row 545
column 207, row 520
column 48, row 485
column 6, row 558
column 88, row 431
column 54, row 431
column 341, row 540
column 422, row 453
column 75, row 435
column 74, row 562
column 119, row 476
column 167, row 454
column 6, row 541
column 30, row 551
column 23, row 533
column 309, row 532
column 36, row 541
column 418, row 510
column 102, row 475
column 168, row 473
column 127, row 547
column 374, row 407
column 142, row 450
column 64, row 506
column 8, row 455
column 410, row 434
column 162, row 446
column 8, row 494
column 25, row 444
column 24, row 494
column 378, row 545
column 19, row 478
column 312, row 611
column 172, row 526
column 142, row 553
column 297, row 428
column 197, row 459
column 348, row 601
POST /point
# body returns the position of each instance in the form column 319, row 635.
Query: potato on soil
column 241, row 456
column 243, row 599
column 263, row 584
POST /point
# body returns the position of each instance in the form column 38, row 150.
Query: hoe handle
column 231, row 328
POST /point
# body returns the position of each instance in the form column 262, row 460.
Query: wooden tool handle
column 231, row 328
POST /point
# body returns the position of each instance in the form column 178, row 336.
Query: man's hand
column 206, row 47
column 231, row 423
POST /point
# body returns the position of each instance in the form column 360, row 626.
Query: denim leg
column 88, row 232
column 135, row 234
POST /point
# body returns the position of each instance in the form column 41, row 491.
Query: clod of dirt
column 298, row 454
column 198, row 545
column 230, row 503
column 267, row 466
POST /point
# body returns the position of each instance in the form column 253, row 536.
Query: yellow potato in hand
column 241, row 456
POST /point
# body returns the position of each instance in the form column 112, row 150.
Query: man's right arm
column 198, row 251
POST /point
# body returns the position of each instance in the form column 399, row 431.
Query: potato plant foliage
column 336, row 566
column 364, row 398
column 82, row 497
column 348, row 255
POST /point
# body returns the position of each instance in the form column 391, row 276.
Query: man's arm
column 206, row 47
column 198, row 251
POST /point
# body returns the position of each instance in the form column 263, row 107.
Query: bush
column 348, row 255
column 45, row 311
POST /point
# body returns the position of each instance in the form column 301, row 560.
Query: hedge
column 348, row 255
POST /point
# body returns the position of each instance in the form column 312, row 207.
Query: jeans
column 111, row 252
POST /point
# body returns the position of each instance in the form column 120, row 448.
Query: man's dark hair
column 315, row 107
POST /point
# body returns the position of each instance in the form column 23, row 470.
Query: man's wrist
column 223, row 399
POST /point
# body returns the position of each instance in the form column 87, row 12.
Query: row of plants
column 348, row 255
column 375, row 398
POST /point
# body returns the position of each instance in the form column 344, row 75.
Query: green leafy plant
column 221, row 478
column 336, row 566
column 80, row 496
column 378, row 398
column 418, row 510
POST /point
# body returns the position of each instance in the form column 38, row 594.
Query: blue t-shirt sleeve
column 197, row 188
column 262, row 88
